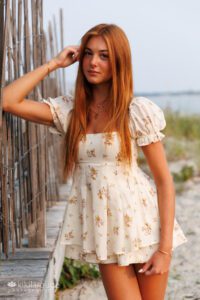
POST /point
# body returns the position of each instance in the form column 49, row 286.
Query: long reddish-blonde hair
column 121, row 92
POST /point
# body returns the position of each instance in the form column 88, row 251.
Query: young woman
column 116, row 216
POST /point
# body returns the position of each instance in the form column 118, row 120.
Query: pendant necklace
column 101, row 107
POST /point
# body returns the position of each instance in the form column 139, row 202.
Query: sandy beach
column 184, row 279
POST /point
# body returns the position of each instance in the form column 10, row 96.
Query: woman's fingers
column 152, row 271
column 149, row 269
column 67, row 56
column 72, row 49
column 75, row 53
column 145, row 267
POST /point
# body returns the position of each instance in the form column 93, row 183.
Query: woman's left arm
column 157, row 162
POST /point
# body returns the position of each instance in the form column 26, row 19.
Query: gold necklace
column 101, row 107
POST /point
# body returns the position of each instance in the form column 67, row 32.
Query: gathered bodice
column 102, row 148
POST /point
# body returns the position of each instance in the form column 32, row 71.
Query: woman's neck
column 100, row 93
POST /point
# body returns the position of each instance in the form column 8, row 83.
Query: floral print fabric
column 112, row 211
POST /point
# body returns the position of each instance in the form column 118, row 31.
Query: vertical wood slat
column 64, row 89
column 11, row 195
column 62, row 47
column 43, row 129
column 20, row 124
column 12, row 137
column 27, row 68
column 33, row 141
column 41, row 221
column 55, row 38
column 17, row 121
column 54, row 89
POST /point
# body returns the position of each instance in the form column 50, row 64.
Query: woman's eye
column 87, row 53
column 104, row 56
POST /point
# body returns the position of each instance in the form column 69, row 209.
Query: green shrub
column 186, row 173
column 73, row 271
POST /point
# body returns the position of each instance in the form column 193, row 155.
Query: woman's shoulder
column 143, row 107
column 146, row 120
column 64, row 101
column 61, row 108
column 141, row 103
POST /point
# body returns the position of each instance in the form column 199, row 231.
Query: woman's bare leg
column 120, row 282
column 152, row 287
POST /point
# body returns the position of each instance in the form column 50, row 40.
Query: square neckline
column 97, row 133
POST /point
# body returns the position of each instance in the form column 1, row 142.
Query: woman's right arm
column 14, row 94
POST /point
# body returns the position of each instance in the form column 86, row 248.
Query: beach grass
column 181, row 143
column 182, row 126
column 182, row 138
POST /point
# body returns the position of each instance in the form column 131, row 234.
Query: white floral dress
column 112, row 211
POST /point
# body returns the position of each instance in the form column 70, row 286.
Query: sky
column 164, row 37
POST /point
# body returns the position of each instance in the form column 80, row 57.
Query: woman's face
column 96, row 62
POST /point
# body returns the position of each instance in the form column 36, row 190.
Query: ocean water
column 182, row 103
column 185, row 104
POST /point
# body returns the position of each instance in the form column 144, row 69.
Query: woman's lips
column 93, row 72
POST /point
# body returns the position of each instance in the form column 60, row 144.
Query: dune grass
column 182, row 127
column 182, row 137
column 181, row 142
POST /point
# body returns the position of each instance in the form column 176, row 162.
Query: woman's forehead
column 97, row 43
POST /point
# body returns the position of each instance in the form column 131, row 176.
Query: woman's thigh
column 120, row 282
column 152, row 287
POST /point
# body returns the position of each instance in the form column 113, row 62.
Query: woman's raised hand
column 67, row 56
column 14, row 94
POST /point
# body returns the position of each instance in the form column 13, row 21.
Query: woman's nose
column 94, row 60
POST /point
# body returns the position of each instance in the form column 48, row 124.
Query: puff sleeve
column 61, row 108
column 146, row 121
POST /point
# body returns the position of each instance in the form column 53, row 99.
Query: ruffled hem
column 140, row 255
column 148, row 139
column 122, row 259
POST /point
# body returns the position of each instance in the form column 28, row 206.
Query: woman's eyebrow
column 102, row 50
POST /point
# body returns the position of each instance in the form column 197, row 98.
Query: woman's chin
column 96, row 81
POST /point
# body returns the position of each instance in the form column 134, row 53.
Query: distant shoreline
column 71, row 84
column 158, row 94
column 185, row 102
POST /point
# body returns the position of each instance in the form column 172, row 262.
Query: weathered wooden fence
column 29, row 175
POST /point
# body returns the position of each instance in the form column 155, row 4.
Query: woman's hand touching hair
column 14, row 94
column 67, row 56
